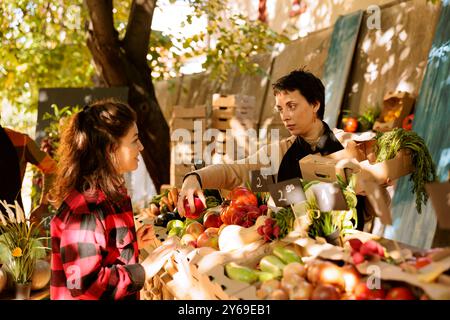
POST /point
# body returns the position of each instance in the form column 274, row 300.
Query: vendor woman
column 300, row 101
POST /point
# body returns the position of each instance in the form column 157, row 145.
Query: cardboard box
column 195, row 112
column 232, row 100
column 389, row 170
column 359, row 150
column 316, row 167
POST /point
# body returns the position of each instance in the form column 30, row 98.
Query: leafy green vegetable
column 390, row 143
column 285, row 220
column 368, row 118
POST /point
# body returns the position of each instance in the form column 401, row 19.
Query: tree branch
column 100, row 12
column 104, row 44
column 137, row 36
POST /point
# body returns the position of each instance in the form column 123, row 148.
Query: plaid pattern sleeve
column 94, row 251
column 28, row 151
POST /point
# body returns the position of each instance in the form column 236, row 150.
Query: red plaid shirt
column 94, row 250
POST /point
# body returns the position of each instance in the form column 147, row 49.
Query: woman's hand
column 145, row 236
column 190, row 187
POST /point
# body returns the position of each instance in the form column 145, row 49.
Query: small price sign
column 287, row 192
column 259, row 181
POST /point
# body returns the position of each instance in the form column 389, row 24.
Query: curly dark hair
column 308, row 84
column 86, row 151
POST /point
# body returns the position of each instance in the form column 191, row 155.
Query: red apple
column 209, row 238
column 199, row 208
column 195, row 228
column 189, row 240
column 212, row 219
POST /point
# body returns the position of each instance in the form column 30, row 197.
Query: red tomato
column 350, row 124
column 362, row 292
column 400, row 293
column 408, row 122
column 243, row 196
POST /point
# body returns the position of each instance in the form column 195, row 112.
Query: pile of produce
column 241, row 208
column 283, row 275
column 390, row 143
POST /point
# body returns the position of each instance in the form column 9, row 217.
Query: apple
column 189, row 240
column 209, row 238
column 199, row 208
column 212, row 219
column 195, row 229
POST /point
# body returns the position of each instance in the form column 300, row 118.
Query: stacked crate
column 236, row 115
column 185, row 146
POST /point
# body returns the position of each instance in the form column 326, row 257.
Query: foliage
column 53, row 130
column 43, row 44
column 368, row 117
column 20, row 245
column 231, row 39
column 390, row 143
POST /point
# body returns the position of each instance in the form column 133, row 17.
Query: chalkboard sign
column 260, row 182
column 287, row 192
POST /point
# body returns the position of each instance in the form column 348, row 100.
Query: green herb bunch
column 284, row 218
column 390, row 143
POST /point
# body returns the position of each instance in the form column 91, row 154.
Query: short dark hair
column 308, row 84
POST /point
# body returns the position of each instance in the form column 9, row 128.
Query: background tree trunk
column 123, row 62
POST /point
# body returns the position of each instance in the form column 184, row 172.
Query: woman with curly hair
column 95, row 247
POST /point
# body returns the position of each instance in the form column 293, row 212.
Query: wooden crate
column 232, row 100
column 230, row 112
column 187, row 123
column 193, row 113
column 233, row 124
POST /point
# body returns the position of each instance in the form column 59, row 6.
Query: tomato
column 350, row 124
column 243, row 196
column 400, row 293
column 408, row 122
column 242, row 215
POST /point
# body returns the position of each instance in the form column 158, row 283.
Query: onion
column 302, row 291
column 279, row 295
column 326, row 273
column 290, row 281
column 267, row 288
column 294, row 268
column 325, row 292
column 351, row 277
